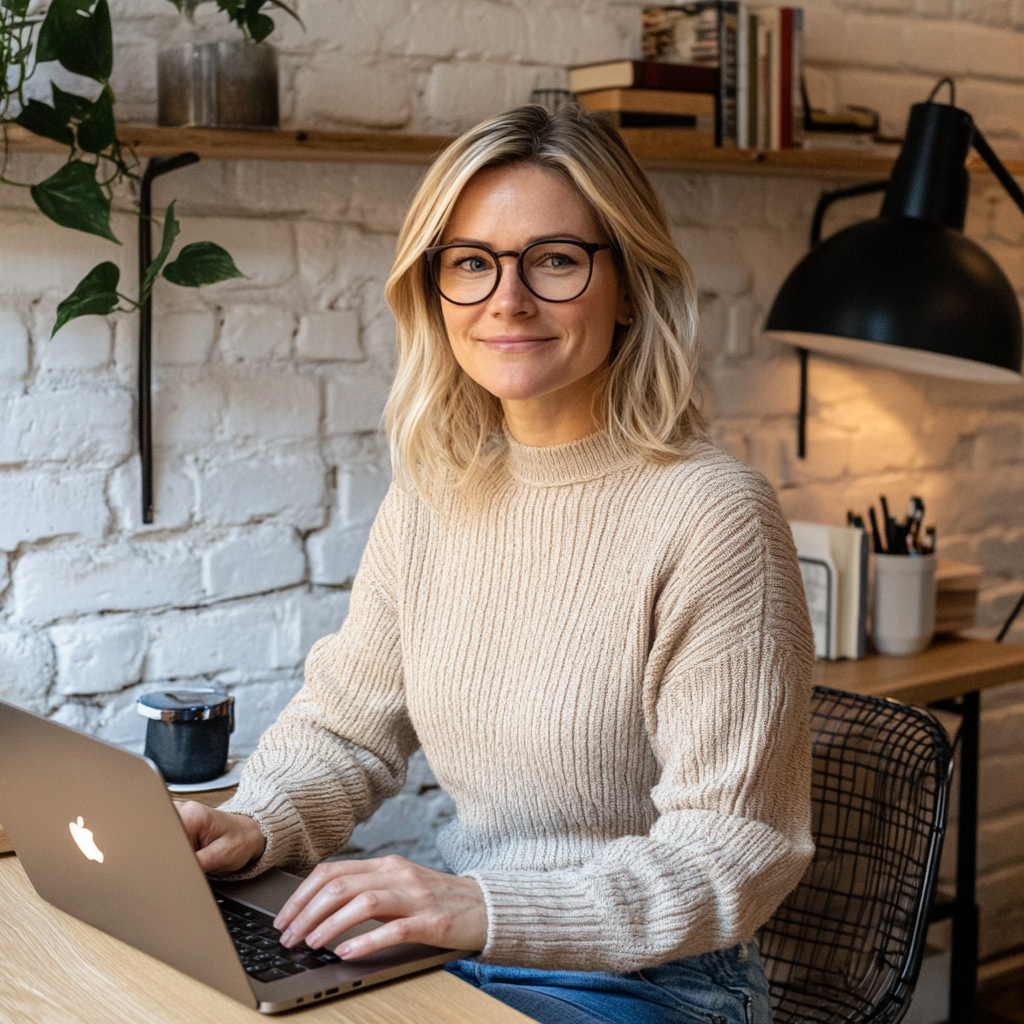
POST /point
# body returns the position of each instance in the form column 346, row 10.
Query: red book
column 644, row 74
column 786, row 78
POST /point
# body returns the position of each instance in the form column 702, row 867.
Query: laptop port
column 331, row 992
column 356, row 984
column 317, row 995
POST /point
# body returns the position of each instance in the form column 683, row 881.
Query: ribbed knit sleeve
column 341, row 745
column 726, row 693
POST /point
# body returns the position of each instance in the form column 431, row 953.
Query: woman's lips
column 514, row 343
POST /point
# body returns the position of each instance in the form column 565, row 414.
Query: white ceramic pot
column 903, row 607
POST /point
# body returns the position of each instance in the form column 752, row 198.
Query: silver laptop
column 99, row 838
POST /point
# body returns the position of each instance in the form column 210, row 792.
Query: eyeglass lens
column 556, row 271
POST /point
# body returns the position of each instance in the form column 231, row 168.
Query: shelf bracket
column 155, row 167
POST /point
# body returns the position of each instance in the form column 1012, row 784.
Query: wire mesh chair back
column 846, row 945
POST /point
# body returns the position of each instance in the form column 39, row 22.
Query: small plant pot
column 227, row 84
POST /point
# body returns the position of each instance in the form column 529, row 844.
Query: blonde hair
column 442, row 424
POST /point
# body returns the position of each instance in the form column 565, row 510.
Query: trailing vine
column 79, row 195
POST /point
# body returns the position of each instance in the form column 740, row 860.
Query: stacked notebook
column 650, row 94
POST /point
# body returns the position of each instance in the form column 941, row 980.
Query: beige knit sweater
column 607, row 663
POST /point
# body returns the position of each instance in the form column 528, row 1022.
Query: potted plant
column 211, row 75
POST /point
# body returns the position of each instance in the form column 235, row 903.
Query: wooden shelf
column 656, row 148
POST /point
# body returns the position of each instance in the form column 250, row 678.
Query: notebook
column 98, row 836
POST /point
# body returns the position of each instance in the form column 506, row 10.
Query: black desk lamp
column 908, row 290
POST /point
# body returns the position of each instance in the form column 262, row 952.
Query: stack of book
column 649, row 94
column 757, row 52
column 727, row 72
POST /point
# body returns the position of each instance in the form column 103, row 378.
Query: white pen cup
column 903, row 605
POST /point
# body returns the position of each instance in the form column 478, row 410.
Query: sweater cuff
column 526, row 919
column 277, row 819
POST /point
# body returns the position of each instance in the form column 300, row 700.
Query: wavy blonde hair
column 441, row 424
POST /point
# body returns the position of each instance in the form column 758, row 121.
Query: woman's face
column 517, row 346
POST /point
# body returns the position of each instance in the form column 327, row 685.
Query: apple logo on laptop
column 83, row 837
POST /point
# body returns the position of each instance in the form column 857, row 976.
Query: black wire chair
column 846, row 945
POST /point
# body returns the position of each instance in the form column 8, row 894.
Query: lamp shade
column 908, row 290
column 907, row 294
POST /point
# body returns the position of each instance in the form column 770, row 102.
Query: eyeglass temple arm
column 987, row 154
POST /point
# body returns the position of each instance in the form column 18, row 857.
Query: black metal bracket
column 825, row 200
column 155, row 167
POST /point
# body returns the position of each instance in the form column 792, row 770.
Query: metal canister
column 187, row 732
column 218, row 84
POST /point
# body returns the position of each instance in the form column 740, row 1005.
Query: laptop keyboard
column 258, row 945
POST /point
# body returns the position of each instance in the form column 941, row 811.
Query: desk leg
column 963, row 980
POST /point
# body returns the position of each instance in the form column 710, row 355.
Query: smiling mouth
column 513, row 343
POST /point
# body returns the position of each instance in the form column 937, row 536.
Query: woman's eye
column 474, row 264
column 557, row 261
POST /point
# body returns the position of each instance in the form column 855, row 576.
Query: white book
column 834, row 566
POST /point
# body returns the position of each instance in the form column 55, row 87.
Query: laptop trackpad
column 270, row 891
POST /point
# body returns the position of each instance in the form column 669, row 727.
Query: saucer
column 236, row 762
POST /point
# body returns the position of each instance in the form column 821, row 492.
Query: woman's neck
column 559, row 417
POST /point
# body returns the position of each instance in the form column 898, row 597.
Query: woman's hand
column 222, row 841
column 416, row 904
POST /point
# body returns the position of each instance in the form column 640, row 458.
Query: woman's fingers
column 313, row 884
column 416, row 904
column 222, row 841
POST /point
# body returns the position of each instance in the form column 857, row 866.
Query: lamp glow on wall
column 907, row 290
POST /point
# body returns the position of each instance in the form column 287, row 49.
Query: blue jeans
column 724, row 987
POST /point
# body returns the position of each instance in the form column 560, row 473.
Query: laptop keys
column 258, row 945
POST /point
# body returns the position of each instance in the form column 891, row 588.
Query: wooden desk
column 57, row 970
column 950, row 674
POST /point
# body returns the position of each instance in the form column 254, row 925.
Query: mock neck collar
column 588, row 458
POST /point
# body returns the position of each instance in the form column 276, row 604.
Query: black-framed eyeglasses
column 553, row 269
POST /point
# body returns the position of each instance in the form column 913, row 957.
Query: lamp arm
column 987, row 154
column 826, row 199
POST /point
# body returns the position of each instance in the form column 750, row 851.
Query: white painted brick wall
column 269, row 390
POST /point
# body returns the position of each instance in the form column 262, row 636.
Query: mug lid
column 184, row 705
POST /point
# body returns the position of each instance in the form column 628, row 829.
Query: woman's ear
column 624, row 314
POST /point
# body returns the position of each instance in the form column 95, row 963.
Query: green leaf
column 19, row 8
column 201, row 263
column 42, row 119
column 68, row 104
column 171, row 231
column 73, row 199
column 96, row 294
column 97, row 132
column 81, row 41
column 259, row 25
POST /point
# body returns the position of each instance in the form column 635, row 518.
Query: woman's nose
column 511, row 296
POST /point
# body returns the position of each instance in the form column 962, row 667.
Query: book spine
column 727, row 22
column 797, row 100
column 742, row 77
column 786, row 78
column 764, row 135
column 673, row 78
column 753, row 76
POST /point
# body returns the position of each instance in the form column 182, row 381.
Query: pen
column 888, row 525
column 876, row 537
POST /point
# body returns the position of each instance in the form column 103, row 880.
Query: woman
column 590, row 618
